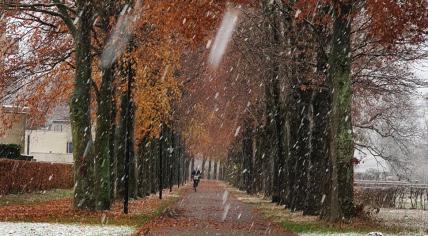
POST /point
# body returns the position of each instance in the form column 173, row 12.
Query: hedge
column 11, row 151
column 25, row 176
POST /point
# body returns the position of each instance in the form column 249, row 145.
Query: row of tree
column 84, row 53
column 298, row 146
column 284, row 112
column 291, row 99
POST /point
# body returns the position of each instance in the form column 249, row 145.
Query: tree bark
column 178, row 161
column 209, row 169
column 171, row 163
column 247, row 146
column 104, row 120
column 160, row 177
column 215, row 169
column 80, row 112
column 153, row 165
column 340, row 193
column 120, row 148
column 112, row 148
column 204, row 159
column 274, row 113
column 143, row 178
column 102, row 141
column 192, row 165
column 319, row 135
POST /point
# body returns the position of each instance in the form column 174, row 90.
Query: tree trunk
column 220, row 170
column 266, row 163
column 203, row 166
column 184, row 168
column 155, row 163
column 298, row 118
column 178, row 161
column 120, row 148
column 215, row 170
column 142, row 167
column 171, row 163
column 133, row 174
column 340, row 193
column 319, row 156
column 274, row 112
column 318, row 119
column 112, row 143
column 102, row 141
column 104, row 122
column 120, row 151
column 209, row 169
column 192, row 165
column 247, row 150
column 153, row 166
column 80, row 113
column 160, row 177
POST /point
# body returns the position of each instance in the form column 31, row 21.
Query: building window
column 69, row 147
column 57, row 128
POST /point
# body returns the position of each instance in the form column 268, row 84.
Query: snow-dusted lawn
column 409, row 218
column 47, row 229
column 332, row 234
column 359, row 234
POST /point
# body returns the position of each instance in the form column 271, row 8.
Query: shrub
column 24, row 176
column 11, row 151
column 23, row 158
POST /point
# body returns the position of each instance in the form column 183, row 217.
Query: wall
column 49, row 145
column 53, row 157
column 15, row 133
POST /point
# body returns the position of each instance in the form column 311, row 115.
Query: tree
column 81, row 99
column 340, row 195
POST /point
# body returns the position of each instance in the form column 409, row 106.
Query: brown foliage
column 25, row 176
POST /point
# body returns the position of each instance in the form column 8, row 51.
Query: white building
column 52, row 143
column 12, row 125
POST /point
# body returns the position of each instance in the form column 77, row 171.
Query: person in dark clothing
column 195, row 172
column 196, row 176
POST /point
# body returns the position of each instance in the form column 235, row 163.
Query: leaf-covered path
column 212, row 210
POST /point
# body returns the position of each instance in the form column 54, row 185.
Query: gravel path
column 211, row 211
column 46, row 229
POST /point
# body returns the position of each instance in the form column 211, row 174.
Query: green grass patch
column 35, row 197
column 306, row 227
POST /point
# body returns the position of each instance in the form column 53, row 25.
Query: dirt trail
column 211, row 211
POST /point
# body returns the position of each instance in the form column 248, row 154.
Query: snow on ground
column 47, row 229
column 408, row 218
column 332, row 234
column 359, row 234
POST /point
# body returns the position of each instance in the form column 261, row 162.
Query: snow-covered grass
column 311, row 226
column 359, row 234
column 47, row 229
column 333, row 234
column 413, row 219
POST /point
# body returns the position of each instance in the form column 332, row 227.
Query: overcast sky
column 421, row 70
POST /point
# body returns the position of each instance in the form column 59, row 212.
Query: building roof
column 14, row 109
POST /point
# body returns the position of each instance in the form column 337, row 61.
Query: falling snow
column 223, row 37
